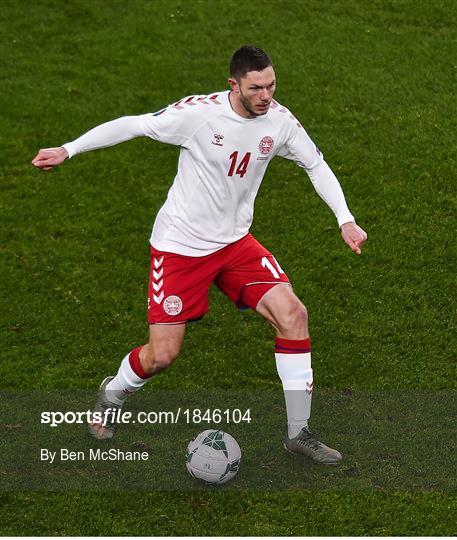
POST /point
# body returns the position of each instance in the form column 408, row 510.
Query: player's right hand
column 48, row 158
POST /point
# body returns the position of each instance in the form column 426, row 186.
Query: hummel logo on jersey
column 217, row 139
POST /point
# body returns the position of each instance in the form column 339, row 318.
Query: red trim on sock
column 292, row 346
column 135, row 364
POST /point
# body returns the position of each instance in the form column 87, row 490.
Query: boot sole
column 311, row 459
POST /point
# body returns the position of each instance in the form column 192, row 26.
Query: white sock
column 127, row 381
column 293, row 362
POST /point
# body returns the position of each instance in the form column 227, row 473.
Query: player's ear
column 233, row 84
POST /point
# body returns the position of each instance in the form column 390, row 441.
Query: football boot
column 307, row 444
column 106, row 428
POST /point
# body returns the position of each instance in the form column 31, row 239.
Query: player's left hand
column 354, row 236
column 48, row 158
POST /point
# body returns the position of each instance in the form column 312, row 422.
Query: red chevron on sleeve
column 213, row 99
column 189, row 101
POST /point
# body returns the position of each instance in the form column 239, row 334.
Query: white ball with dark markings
column 213, row 457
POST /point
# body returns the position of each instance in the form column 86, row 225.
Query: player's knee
column 159, row 357
column 294, row 319
column 164, row 358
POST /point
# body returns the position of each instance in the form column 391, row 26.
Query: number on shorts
column 275, row 271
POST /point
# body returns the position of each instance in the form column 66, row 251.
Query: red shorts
column 178, row 284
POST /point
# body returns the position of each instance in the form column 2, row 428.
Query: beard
column 247, row 105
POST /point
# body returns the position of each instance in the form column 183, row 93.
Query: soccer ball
column 213, row 457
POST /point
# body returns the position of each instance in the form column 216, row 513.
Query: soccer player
column 201, row 233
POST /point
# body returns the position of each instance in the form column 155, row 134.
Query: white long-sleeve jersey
column 221, row 165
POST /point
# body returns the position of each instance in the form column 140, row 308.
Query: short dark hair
column 248, row 58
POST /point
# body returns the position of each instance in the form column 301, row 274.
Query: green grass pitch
column 374, row 85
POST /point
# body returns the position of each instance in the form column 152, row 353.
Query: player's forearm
column 108, row 134
column 329, row 189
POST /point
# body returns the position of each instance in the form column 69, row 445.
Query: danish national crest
column 172, row 305
column 265, row 145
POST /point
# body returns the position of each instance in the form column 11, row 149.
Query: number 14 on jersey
column 242, row 167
